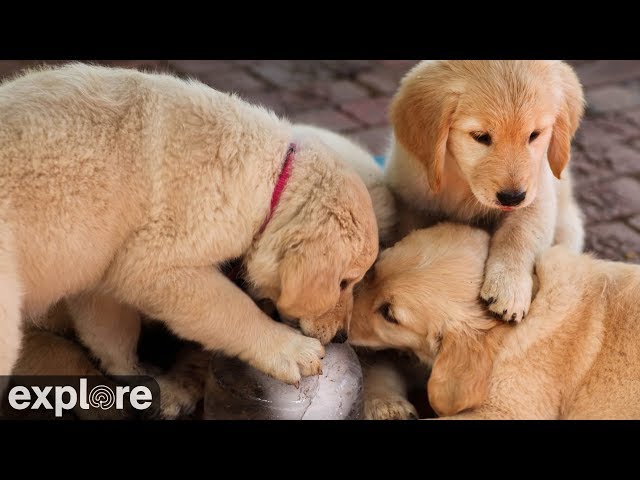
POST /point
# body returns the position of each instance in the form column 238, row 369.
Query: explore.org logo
column 78, row 396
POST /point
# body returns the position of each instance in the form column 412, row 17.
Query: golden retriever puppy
column 124, row 191
column 480, row 142
column 576, row 357
column 428, row 278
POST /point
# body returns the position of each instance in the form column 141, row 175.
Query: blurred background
column 352, row 96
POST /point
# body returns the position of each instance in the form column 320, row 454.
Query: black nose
column 340, row 337
column 510, row 198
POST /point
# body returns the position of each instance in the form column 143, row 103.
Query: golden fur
column 122, row 192
column 575, row 356
column 464, row 131
column 357, row 158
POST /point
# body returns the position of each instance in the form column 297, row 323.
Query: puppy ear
column 460, row 374
column 568, row 119
column 309, row 281
column 421, row 114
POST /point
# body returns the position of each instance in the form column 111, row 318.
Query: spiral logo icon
column 102, row 397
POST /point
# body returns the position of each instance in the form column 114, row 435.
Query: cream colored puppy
column 47, row 350
column 485, row 143
column 125, row 191
column 576, row 357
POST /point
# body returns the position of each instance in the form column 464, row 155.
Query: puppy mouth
column 494, row 205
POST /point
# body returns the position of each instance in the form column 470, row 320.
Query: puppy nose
column 510, row 198
column 340, row 337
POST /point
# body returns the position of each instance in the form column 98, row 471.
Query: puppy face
column 419, row 288
column 500, row 151
column 422, row 296
column 492, row 122
column 318, row 247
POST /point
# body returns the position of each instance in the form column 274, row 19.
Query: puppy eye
column 344, row 284
column 482, row 137
column 535, row 134
column 385, row 311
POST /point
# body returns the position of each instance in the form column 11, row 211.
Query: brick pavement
column 352, row 97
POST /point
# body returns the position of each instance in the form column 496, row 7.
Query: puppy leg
column 200, row 304
column 385, row 393
column 45, row 353
column 10, row 305
column 109, row 329
column 182, row 387
column 521, row 237
column 570, row 228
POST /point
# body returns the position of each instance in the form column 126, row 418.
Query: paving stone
column 596, row 136
column 348, row 68
column 617, row 160
column 613, row 241
column 607, row 201
column 232, row 81
column 339, row 91
column 145, row 65
column 405, row 65
column 290, row 74
column 11, row 67
column 634, row 116
column 286, row 102
column 607, row 71
column 370, row 111
column 380, row 82
column 376, row 140
column 328, row 118
column 201, row 67
column 613, row 97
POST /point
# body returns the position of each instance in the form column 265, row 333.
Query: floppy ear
column 460, row 374
column 568, row 119
column 309, row 281
column 421, row 114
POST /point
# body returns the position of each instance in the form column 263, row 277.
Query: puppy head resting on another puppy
column 495, row 120
column 320, row 242
column 422, row 296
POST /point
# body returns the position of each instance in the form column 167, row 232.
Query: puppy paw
column 389, row 408
column 293, row 356
column 507, row 292
column 176, row 398
column 182, row 387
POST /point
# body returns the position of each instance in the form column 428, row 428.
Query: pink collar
column 235, row 267
column 285, row 173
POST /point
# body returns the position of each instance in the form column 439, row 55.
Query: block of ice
column 236, row 391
